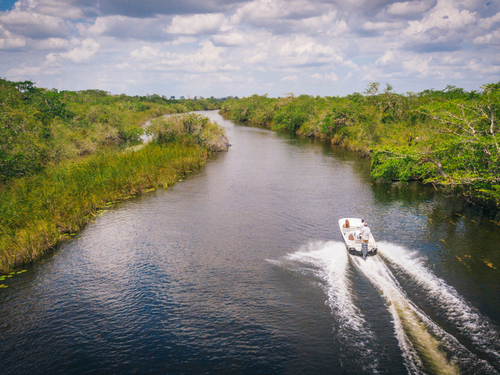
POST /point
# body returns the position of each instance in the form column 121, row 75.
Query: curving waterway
column 240, row 268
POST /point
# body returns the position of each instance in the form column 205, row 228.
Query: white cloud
column 231, row 39
column 443, row 16
column 52, row 44
column 197, row 24
column 377, row 26
column 145, row 53
column 7, row 41
column 183, row 40
column 82, row 54
column 23, row 71
column 57, row 8
column 23, row 5
column 409, row 8
column 325, row 77
column 263, row 11
column 385, row 59
column 489, row 39
column 489, row 22
column 206, row 59
column 292, row 78
column 418, row 64
column 100, row 25
column 307, row 51
column 31, row 24
column 257, row 58
column 411, row 44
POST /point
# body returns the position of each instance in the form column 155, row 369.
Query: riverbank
column 37, row 212
column 42, row 127
column 447, row 138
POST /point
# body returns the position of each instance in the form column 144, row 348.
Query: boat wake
column 425, row 345
column 479, row 330
column 329, row 263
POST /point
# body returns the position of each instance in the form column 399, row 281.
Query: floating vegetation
column 488, row 263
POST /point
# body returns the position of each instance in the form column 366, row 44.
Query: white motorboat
column 351, row 233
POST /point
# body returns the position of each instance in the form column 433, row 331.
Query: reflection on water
column 240, row 268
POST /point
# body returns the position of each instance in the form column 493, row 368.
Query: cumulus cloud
column 56, row 8
column 123, row 27
column 418, row 65
column 382, row 26
column 82, row 54
column 292, row 78
column 332, row 77
column 257, row 58
column 26, row 20
column 12, row 43
column 33, row 25
column 275, row 42
column 489, row 39
column 206, row 59
column 196, row 24
column 490, row 21
column 230, row 39
column 151, row 8
column 409, row 8
column 52, row 44
column 22, row 72
column 145, row 53
column 306, row 51
column 387, row 57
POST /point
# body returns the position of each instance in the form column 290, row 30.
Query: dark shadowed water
column 241, row 269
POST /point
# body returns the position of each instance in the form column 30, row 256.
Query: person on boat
column 360, row 226
column 365, row 236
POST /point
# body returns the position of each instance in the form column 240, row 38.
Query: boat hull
column 353, row 251
column 352, row 239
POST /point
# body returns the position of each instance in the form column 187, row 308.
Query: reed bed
column 39, row 211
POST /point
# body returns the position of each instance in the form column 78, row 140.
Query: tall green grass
column 36, row 212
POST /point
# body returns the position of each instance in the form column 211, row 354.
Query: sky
column 244, row 47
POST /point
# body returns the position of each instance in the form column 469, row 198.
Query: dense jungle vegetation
column 449, row 138
column 66, row 156
column 41, row 127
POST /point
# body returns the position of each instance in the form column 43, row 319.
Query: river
column 240, row 268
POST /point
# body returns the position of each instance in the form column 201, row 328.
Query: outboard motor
column 364, row 250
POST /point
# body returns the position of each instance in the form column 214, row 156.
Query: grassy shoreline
column 38, row 211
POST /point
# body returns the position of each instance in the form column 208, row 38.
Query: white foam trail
column 416, row 343
column 484, row 335
column 330, row 263
column 425, row 345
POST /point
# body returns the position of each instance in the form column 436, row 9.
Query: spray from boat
column 482, row 333
column 329, row 263
column 425, row 345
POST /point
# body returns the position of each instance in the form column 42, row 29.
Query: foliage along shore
column 449, row 138
column 62, row 169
